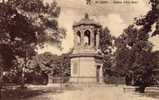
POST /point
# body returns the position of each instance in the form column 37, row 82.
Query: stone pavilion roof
column 86, row 21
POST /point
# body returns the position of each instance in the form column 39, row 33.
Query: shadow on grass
column 35, row 92
column 21, row 94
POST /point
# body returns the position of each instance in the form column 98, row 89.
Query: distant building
column 86, row 62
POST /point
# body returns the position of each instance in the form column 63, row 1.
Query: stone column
column 92, row 38
column 75, row 38
column 76, row 45
column 82, row 38
column 101, row 74
column 97, row 40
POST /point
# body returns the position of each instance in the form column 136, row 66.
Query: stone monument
column 86, row 62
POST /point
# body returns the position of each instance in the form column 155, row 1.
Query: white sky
column 115, row 16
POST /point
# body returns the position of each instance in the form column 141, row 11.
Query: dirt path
column 101, row 93
column 94, row 92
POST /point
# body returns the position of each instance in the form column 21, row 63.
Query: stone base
column 86, row 69
column 83, row 80
column 83, row 69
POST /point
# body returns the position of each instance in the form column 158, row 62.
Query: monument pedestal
column 86, row 69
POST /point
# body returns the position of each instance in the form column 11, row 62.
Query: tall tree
column 53, row 65
column 138, row 49
column 43, row 18
column 24, row 24
column 106, row 46
column 134, row 53
column 146, row 22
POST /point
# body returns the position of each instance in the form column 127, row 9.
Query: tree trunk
column 1, row 79
column 22, row 79
column 23, row 70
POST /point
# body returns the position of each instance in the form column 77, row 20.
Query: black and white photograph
column 79, row 49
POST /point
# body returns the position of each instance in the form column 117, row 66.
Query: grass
column 52, row 92
column 34, row 92
column 27, row 93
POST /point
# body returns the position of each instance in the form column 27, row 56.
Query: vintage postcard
column 79, row 49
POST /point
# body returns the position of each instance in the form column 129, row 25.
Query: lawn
column 78, row 92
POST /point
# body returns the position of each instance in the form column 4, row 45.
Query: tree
column 53, row 65
column 134, row 53
column 1, row 70
column 24, row 24
column 151, row 18
column 43, row 18
column 146, row 22
column 106, row 46
column 138, row 49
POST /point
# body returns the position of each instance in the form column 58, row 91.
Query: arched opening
column 78, row 37
column 87, row 37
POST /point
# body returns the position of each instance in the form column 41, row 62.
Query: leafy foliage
column 43, row 17
column 152, row 17
column 16, row 33
column 134, row 51
column 106, row 46
column 55, row 66
column 24, row 24
column 105, row 41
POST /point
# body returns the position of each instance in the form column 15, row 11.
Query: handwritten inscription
column 116, row 1
column 124, row 1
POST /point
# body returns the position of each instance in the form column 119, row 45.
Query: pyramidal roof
column 86, row 21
